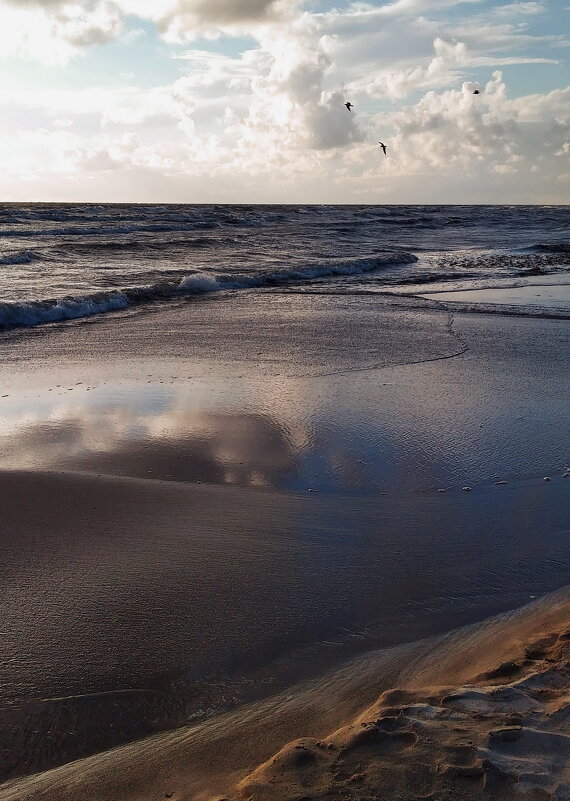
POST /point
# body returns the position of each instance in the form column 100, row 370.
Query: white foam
column 36, row 312
column 33, row 313
column 27, row 257
column 199, row 282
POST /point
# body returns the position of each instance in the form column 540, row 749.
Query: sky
column 242, row 101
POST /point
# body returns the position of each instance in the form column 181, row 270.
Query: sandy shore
column 133, row 606
column 478, row 713
column 204, row 531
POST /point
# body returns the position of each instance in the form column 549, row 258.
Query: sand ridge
column 504, row 736
column 480, row 713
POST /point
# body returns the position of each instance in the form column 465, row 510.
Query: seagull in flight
column 349, row 105
column 383, row 146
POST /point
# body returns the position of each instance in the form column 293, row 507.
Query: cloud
column 449, row 62
column 186, row 20
column 519, row 9
column 189, row 18
column 438, row 147
column 101, row 25
column 52, row 32
column 270, row 122
column 455, row 131
column 212, row 75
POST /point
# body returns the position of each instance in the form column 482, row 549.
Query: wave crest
column 37, row 312
column 24, row 257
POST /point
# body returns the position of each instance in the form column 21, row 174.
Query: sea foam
column 37, row 312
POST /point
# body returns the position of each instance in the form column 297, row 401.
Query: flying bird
column 383, row 146
column 349, row 105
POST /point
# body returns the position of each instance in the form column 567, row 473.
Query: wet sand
column 202, row 519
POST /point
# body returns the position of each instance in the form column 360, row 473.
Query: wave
column 37, row 312
column 551, row 247
column 24, row 257
column 101, row 230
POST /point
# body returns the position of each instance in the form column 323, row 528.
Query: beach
column 477, row 713
column 289, row 541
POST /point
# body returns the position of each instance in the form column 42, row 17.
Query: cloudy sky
column 243, row 100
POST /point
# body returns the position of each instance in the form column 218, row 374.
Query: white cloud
column 519, row 9
column 449, row 62
column 282, row 145
column 458, row 132
column 272, row 119
column 53, row 32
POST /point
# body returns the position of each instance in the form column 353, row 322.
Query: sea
column 67, row 261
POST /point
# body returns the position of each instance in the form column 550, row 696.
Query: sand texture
column 503, row 736
column 479, row 713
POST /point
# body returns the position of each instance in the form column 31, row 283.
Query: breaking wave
column 37, row 312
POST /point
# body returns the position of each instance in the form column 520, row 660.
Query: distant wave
column 101, row 230
column 23, row 257
column 551, row 247
column 37, row 312
column 349, row 226
column 150, row 247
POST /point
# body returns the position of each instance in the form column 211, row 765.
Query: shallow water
column 547, row 296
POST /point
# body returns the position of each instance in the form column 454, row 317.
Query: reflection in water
column 167, row 440
column 180, row 434
column 297, row 436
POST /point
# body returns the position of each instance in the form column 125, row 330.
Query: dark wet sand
column 137, row 599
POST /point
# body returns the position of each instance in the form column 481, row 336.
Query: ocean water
column 62, row 261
